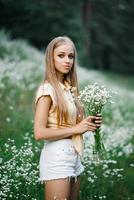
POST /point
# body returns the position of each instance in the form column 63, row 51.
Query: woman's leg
column 75, row 187
column 58, row 189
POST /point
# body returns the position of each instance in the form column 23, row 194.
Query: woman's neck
column 60, row 77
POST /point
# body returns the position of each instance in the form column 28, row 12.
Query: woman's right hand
column 85, row 125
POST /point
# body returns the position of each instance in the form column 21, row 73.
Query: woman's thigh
column 58, row 189
column 75, row 187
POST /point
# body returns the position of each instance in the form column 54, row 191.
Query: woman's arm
column 40, row 122
column 41, row 132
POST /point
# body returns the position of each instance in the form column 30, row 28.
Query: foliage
column 19, row 152
column 102, row 30
column 111, row 35
column 40, row 21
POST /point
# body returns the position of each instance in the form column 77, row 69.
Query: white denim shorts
column 59, row 159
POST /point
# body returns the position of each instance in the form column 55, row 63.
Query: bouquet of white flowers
column 93, row 98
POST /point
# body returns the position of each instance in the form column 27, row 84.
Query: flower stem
column 99, row 147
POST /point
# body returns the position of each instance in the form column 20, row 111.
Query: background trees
column 102, row 30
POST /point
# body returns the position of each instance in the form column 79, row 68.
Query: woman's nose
column 67, row 59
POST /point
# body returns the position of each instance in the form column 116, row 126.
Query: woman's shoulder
column 45, row 86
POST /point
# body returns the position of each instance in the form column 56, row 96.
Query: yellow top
column 47, row 89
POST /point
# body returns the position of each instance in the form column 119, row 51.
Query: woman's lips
column 67, row 66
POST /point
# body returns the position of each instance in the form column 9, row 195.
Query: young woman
column 59, row 120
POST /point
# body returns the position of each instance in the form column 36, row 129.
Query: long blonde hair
column 71, row 78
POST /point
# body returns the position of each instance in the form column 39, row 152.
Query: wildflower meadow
column 21, row 71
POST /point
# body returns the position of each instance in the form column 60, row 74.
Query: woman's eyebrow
column 65, row 52
column 61, row 52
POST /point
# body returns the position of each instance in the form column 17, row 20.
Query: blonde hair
column 71, row 78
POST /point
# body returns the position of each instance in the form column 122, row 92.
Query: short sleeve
column 43, row 90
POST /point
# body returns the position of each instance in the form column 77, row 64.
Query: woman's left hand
column 98, row 120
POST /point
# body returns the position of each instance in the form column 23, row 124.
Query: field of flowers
column 21, row 70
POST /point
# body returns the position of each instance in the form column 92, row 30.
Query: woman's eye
column 71, row 56
column 61, row 55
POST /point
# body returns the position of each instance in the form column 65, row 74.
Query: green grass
column 122, row 80
column 19, row 152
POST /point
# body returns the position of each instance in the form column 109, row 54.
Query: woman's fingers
column 91, row 124
column 93, row 118
column 98, row 121
column 98, row 114
column 98, row 118
column 90, row 118
column 98, row 125
column 92, row 128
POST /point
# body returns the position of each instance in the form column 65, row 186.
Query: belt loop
column 75, row 179
column 68, row 178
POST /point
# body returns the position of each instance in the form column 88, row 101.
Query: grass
column 19, row 152
column 122, row 80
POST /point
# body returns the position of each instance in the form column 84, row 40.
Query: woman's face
column 63, row 58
